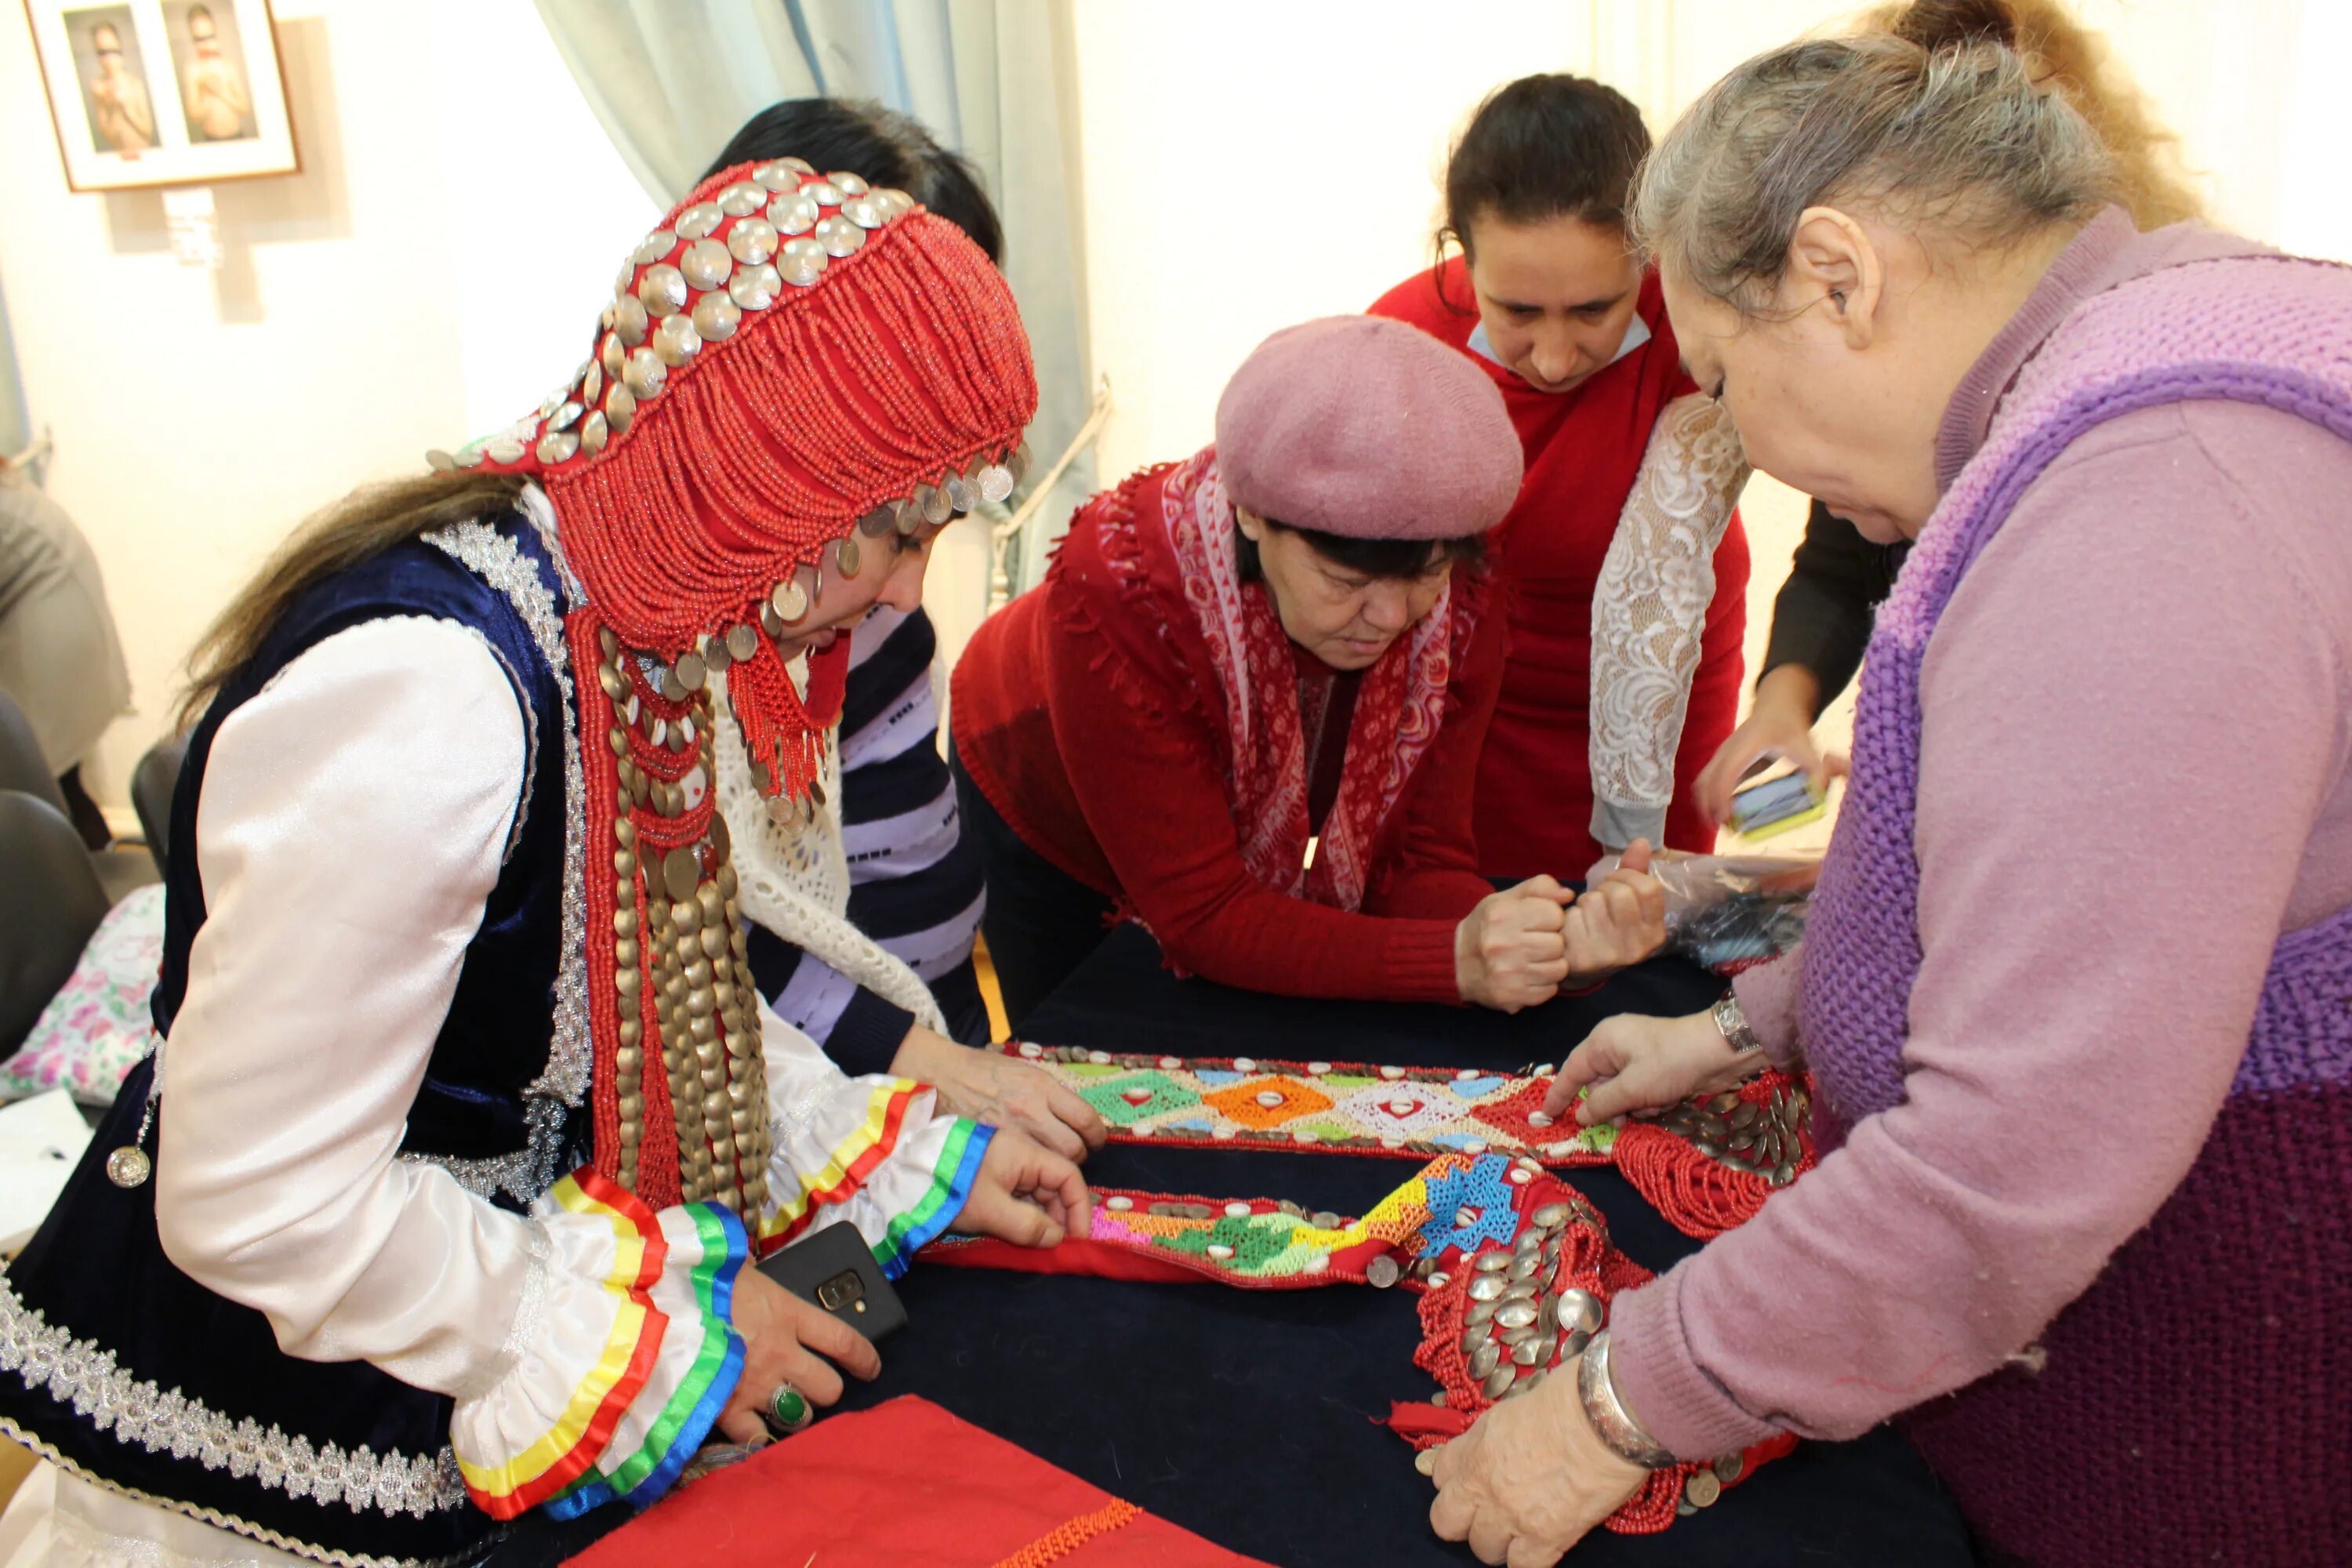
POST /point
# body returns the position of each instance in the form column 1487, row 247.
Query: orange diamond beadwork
column 1268, row 1101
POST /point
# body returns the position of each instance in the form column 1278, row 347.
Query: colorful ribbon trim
column 847, row 1167
column 677, row 1428
column 571, row 1446
column 951, row 1180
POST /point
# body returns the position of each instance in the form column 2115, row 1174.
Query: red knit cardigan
column 1087, row 713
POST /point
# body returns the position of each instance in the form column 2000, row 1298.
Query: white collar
column 1636, row 336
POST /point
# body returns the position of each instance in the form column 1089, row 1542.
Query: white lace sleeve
column 1649, row 610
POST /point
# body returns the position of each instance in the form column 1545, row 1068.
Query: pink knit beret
column 1365, row 427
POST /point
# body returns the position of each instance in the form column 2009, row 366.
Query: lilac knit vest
column 2196, row 1403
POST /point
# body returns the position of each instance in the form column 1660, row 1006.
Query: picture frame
column 163, row 92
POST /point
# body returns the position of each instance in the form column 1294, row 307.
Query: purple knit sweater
column 2109, row 1454
column 2183, row 564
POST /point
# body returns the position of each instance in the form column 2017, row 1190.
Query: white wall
column 1248, row 165
column 436, row 267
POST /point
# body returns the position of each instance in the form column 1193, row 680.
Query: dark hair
column 1372, row 557
column 886, row 147
column 1542, row 147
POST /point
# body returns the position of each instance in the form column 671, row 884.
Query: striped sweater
column 915, row 883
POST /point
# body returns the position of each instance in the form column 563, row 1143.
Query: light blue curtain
column 671, row 80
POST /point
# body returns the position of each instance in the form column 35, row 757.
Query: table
column 1248, row 1415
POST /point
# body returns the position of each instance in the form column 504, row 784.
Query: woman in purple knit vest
column 2086, row 1231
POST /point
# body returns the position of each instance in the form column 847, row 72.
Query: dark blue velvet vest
column 114, row 1361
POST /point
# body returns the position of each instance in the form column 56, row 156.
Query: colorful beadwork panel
column 1759, row 1130
column 1348, row 1107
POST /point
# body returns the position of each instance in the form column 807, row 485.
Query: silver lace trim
column 528, row 1172
column 77, row 1373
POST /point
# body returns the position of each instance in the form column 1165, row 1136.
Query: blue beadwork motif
column 1484, row 1192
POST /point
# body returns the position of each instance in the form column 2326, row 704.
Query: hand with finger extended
column 1631, row 1063
column 787, row 1340
column 1027, row 1194
column 1000, row 1091
column 1508, row 952
column 1618, row 921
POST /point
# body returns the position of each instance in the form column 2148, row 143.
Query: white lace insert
column 1649, row 612
column 795, row 880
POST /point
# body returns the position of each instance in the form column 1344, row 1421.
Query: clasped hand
column 1518, row 947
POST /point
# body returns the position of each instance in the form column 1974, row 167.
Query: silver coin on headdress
column 645, row 375
column 755, row 287
column 661, row 289
column 705, row 264
column 715, row 317
column 792, row 213
column 751, row 241
column 676, row 341
column 802, row 261
column 839, row 235
column 630, row 320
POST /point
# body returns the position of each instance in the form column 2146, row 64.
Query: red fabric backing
column 903, row 1483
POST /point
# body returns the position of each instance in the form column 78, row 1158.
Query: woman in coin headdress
column 433, row 1206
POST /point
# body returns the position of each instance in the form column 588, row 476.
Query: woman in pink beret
column 1246, row 706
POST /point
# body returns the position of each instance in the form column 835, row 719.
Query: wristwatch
column 1733, row 1022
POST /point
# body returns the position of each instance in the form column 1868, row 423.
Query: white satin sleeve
column 352, row 822
column 1649, row 613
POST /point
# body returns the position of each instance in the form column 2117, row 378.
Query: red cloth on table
column 903, row 1483
column 1533, row 810
column 1087, row 712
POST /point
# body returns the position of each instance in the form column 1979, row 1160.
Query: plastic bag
column 1729, row 912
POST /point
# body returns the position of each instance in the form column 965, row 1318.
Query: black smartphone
column 836, row 1269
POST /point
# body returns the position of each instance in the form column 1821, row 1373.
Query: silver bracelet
column 1616, row 1424
column 1747, row 1050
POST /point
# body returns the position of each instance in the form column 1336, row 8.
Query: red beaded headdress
column 791, row 360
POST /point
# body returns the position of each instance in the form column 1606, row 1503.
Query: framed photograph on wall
column 163, row 92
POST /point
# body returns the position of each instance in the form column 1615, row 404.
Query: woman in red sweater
column 1246, row 706
column 1623, row 570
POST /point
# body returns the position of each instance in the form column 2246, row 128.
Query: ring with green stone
column 788, row 1410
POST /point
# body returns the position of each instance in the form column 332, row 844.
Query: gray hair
column 1959, row 144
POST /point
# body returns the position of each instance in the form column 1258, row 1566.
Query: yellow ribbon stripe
column 628, row 1326
column 835, row 1176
